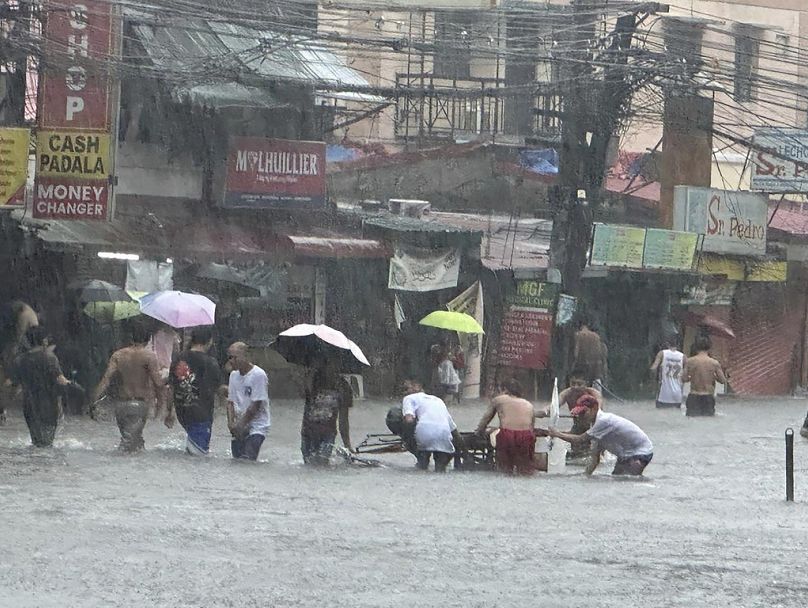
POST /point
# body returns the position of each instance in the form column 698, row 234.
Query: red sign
column 525, row 338
column 275, row 173
column 75, row 92
column 60, row 199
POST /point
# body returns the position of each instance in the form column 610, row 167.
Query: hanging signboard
column 13, row 166
column 527, row 327
column 617, row 246
column 732, row 222
column 75, row 112
column 669, row 250
column 275, row 173
column 77, row 95
column 417, row 269
column 780, row 160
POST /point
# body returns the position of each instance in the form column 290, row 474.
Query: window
column 453, row 32
column 747, row 51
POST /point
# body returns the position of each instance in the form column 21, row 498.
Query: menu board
column 618, row 246
column 669, row 249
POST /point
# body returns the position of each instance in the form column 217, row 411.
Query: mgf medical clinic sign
column 780, row 160
column 75, row 111
column 275, row 173
column 731, row 221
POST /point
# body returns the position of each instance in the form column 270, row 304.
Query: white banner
column 146, row 276
column 416, row 269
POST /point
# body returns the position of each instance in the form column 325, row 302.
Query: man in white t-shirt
column 434, row 427
column 247, row 403
column 611, row 433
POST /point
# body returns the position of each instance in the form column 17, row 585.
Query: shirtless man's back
column 516, row 440
column 139, row 387
column 702, row 371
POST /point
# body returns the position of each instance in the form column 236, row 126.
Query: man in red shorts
column 516, row 440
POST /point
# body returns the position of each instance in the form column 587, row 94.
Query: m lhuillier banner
column 275, row 173
column 75, row 112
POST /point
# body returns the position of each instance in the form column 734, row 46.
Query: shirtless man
column 702, row 371
column 516, row 440
column 139, row 387
column 590, row 355
column 569, row 396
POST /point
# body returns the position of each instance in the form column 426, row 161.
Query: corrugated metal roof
column 331, row 247
column 228, row 48
column 229, row 95
column 399, row 223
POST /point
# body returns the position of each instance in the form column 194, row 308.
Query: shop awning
column 331, row 247
column 206, row 239
column 226, row 53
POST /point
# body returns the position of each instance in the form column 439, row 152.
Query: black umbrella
column 96, row 290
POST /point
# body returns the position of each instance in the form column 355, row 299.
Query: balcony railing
column 429, row 107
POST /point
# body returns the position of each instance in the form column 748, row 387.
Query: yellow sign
column 773, row 271
column 80, row 154
column 13, row 165
column 732, row 269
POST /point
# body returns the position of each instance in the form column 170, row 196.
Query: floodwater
column 84, row 526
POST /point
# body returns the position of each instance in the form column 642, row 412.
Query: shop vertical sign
column 76, row 102
column 527, row 328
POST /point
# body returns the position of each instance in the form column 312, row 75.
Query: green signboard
column 534, row 294
column 669, row 249
column 618, row 246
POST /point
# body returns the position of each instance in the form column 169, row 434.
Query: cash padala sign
column 732, row 222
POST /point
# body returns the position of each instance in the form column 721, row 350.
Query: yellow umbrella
column 453, row 321
column 109, row 312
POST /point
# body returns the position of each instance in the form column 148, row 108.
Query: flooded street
column 84, row 526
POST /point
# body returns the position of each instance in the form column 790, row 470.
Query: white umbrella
column 179, row 309
column 297, row 343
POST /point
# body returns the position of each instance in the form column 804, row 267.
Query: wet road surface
column 84, row 526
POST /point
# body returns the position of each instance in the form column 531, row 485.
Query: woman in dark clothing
column 328, row 401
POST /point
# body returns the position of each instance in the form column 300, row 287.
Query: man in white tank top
column 669, row 365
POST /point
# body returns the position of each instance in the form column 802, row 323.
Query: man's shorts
column 248, row 448
column 632, row 465
column 700, row 405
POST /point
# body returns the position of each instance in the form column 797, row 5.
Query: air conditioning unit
column 409, row 207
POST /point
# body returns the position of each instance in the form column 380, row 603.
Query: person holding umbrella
column 195, row 377
column 328, row 402
column 247, row 403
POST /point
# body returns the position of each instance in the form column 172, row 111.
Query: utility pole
column 593, row 108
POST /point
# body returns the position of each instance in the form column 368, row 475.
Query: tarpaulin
column 417, row 269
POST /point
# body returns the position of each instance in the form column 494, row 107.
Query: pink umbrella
column 297, row 344
column 179, row 309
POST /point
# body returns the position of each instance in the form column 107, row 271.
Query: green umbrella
column 109, row 312
column 453, row 321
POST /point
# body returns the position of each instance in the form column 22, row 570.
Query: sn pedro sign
column 732, row 222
